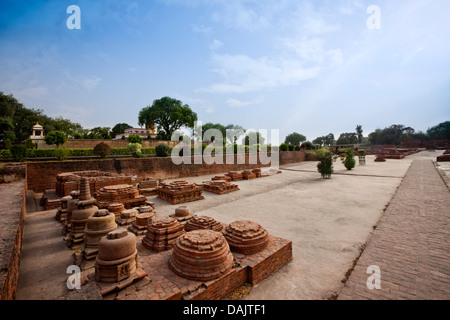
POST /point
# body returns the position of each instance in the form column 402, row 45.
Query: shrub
column 284, row 147
column 135, row 149
column 297, row 148
column 325, row 165
column 307, row 145
column 102, row 150
column 162, row 150
column 18, row 152
column 134, row 138
column 62, row 153
column 349, row 160
column 291, row 147
column 361, row 153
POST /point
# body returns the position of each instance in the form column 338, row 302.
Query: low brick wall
column 287, row 157
column 13, row 200
column 42, row 175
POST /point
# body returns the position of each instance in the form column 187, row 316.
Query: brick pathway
column 411, row 244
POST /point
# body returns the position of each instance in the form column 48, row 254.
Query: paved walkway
column 411, row 244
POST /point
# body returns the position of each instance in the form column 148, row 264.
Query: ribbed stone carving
column 201, row 255
column 246, row 237
column 162, row 234
column 202, row 222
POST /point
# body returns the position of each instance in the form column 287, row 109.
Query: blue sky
column 312, row 67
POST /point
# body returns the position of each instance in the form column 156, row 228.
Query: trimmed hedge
column 50, row 153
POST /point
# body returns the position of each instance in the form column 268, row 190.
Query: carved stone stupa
column 85, row 208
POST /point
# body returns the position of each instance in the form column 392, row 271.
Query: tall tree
column 440, row 132
column 359, row 133
column 168, row 115
column 295, row 139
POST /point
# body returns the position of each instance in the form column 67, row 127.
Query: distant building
column 143, row 133
column 37, row 135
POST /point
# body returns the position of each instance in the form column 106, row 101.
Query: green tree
column 253, row 136
column 295, row 139
column 349, row 160
column 100, row 133
column 119, row 129
column 359, row 133
column 56, row 138
column 440, row 132
column 347, row 138
column 168, row 115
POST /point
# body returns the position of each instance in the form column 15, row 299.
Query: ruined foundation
column 180, row 192
column 162, row 234
column 201, row 255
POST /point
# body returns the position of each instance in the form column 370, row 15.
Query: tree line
column 168, row 116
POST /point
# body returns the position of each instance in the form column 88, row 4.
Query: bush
column 349, row 160
column 325, row 165
column 18, row 152
column 284, row 147
column 102, row 150
column 297, row 148
column 135, row 149
column 291, row 147
column 307, row 145
column 134, row 138
column 162, row 150
column 62, row 153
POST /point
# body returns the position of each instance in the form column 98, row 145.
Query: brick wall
column 11, row 235
column 42, row 175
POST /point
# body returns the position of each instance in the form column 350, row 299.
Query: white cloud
column 89, row 84
column 202, row 29
column 242, row 73
column 240, row 104
column 216, row 44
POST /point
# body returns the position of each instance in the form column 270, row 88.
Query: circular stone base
column 201, row 255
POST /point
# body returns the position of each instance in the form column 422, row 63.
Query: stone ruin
column 98, row 225
column 247, row 175
column 246, row 237
column 201, row 255
column 126, row 194
column 145, row 217
column 179, row 192
column 444, row 157
column 61, row 214
column 162, row 234
column 116, row 264
column 182, row 214
column 70, row 181
column 257, row 172
column 219, row 186
column 116, row 208
column 84, row 209
column 148, row 186
column 234, row 175
column 380, row 158
column 202, row 222
column 127, row 217
column 71, row 205
column 224, row 178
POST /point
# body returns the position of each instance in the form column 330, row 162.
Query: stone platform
column 161, row 283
